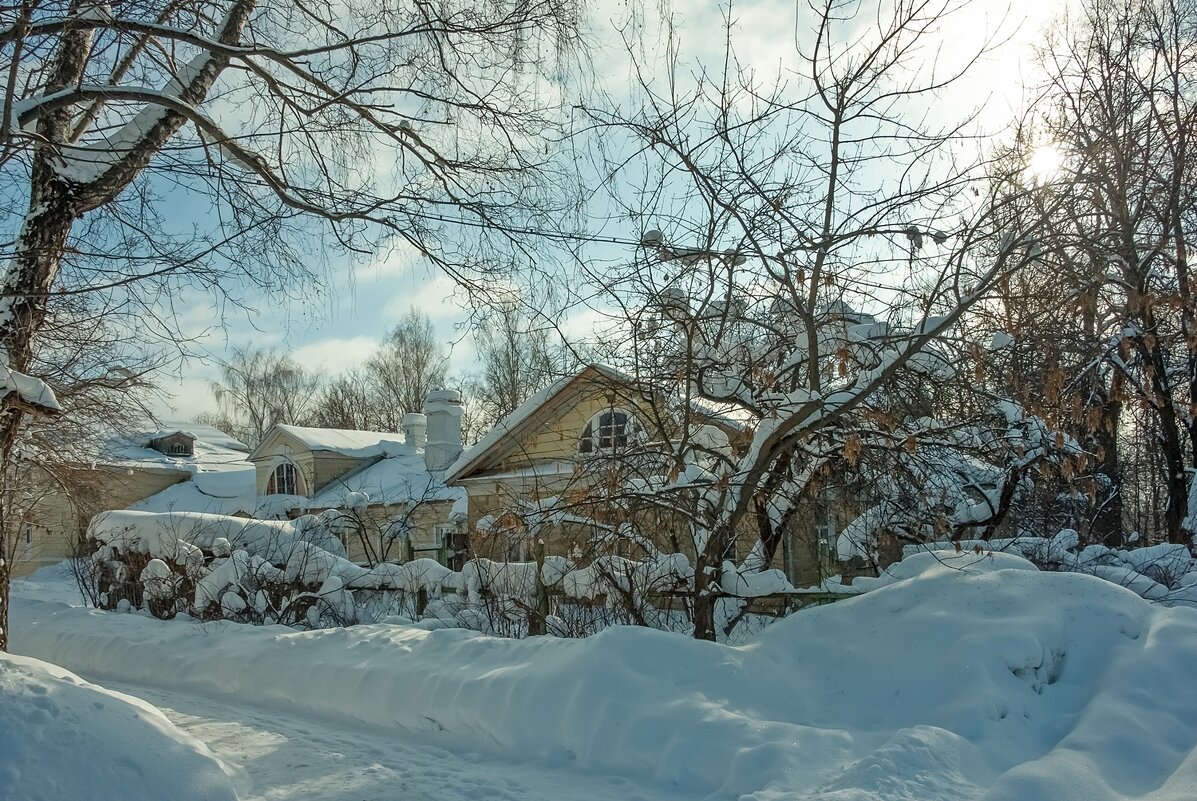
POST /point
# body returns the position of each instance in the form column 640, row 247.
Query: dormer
column 179, row 443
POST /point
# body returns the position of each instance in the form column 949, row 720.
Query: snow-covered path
column 274, row 756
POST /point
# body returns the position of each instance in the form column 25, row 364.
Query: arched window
column 285, row 480
column 608, row 431
column 178, row 449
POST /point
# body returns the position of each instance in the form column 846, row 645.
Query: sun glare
column 1044, row 163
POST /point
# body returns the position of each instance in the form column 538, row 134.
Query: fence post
column 421, row 602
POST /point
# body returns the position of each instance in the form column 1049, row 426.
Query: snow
column 994, row 681
column 132, row 449
column 221, row 481
column 277, row 756
column 397, row 479
column 360, row 444
column 86, row 163
column 62, row 738
column 187, row 496
column 750, row 583
column 1166, row 573
column 164, row 534
column 1000, row 341
column 30, row 391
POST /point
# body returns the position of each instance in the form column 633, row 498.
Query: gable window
column 285, row 480
column 607, row 431
column 178, row 449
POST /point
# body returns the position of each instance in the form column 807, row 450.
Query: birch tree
column 259, row 388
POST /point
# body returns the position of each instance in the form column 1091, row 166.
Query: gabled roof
column 524, row 417
column 356, row 444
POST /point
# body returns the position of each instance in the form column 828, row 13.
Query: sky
column 336, row 329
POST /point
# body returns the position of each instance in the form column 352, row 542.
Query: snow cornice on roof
column 346, row 442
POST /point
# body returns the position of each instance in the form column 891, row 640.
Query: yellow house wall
column 327, row 467
column 60, row 517
column 289, row 449
column 318, row 469
column 558, row 438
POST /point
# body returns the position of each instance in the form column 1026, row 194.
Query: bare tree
column 1109, row 141
column 518, row 355
column 819, row 237
column 304, row 127
column 409, row 364
column 347, row 402
column 259, row 388
column 101, row 376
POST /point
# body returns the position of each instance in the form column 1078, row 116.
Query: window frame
column 616, row 434
column 280, row 474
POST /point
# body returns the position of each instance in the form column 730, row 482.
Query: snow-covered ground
column 62, row 738
column 995, row 682
column 278, row 756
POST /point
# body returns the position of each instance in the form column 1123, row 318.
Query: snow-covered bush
column 233, row 571
column 1166, row 573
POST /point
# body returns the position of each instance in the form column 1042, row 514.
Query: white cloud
column 433, row 293
column 335, row 355
column 187, row 397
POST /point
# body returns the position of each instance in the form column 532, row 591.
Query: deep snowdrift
column 62, row 738
column 998, row 682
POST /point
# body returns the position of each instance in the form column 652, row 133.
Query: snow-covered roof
column 222, row 481
column 214, row 452
column 199, row 432
column 537, row 470
column 400, row 478
column 187, row 496
column 360, row 444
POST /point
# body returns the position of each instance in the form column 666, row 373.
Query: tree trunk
column 1108, row 528
column 9, row 427
column 5, row 569
column 706, row 593
column 1176, row 481
column 30, row 276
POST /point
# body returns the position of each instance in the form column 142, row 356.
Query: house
column 545, row 472
column 183, row 467
column 391, row 487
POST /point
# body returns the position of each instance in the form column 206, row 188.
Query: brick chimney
column 443, row 410
column 415, row 430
